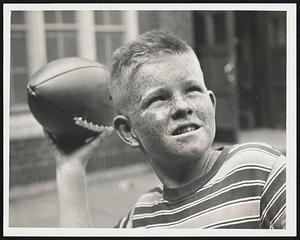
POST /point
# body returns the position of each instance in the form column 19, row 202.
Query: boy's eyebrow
column 151, row 93
column 193, row 81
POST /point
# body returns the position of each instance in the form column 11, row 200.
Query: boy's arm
column 273, row 200
column 71, row 182
column 72, row 197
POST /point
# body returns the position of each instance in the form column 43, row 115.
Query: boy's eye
column 156, row 99
column 194, row 89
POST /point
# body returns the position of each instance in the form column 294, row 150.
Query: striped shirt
column 246, row 188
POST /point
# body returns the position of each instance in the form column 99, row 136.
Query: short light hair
column 129, row 58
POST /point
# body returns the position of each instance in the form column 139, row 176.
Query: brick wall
column 31, row 160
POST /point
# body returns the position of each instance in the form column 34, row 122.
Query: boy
column 163, row 107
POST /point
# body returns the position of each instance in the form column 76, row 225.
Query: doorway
column 242, row 55
column 261, row 69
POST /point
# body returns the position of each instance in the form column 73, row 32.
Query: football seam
column 65, row 116
column 71, row 70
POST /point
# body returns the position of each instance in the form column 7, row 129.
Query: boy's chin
column 192, row 151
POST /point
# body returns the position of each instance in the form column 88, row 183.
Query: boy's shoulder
column 253, row 153
column 252, row 162
column 152, row 196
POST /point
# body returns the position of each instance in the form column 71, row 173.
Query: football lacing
column 79, row 121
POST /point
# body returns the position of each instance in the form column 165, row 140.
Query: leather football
column 70, row 98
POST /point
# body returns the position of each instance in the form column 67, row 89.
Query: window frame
column 18, row 27
column 107, row 29
column 60, row 27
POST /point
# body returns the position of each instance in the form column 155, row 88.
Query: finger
column 50, row 136
column 94, row 142
column 52, row 140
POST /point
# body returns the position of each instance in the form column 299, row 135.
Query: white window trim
column 61, row 27
column 110, row 28
column 131, row 25
column 33, row 28
column 18, row 27
column 23, row 125
column 86, row 35
column 36, row 41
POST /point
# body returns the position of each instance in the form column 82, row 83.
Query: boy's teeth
column 188, row 129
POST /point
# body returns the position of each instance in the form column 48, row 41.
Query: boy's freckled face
column 173, row 116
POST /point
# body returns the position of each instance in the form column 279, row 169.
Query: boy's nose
column 181, row 108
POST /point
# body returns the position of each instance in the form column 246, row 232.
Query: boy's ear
column 212, row 98
column 122, row 126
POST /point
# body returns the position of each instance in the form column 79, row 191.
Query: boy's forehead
column 158, row 71
column 167, row 69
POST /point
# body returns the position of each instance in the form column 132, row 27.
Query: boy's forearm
column 72, row 197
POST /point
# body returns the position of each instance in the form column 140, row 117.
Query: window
column 61, row 34
column 19, row 68
column 110, row 32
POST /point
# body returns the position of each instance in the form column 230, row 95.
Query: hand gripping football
column 69, row 97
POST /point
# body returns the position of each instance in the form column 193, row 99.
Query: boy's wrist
column 69, row 168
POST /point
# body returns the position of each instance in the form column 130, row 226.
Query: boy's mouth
column 185, row 129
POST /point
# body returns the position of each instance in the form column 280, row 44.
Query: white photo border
column 290, row 119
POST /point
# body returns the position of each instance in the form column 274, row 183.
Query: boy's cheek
column 159, row 115
column 152, row 124
column 155, row 115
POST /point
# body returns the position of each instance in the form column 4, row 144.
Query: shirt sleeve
column 125, row 222
column 273, row 199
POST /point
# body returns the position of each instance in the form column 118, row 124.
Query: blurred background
column 242, row 55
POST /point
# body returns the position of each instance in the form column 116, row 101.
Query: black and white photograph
column 149, row 119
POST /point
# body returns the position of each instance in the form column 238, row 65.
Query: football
column 70, row 98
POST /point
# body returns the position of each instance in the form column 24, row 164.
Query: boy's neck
column 183, row 175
